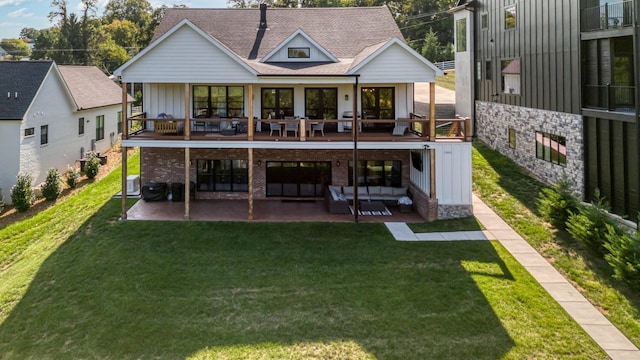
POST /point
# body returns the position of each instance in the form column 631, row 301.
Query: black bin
column 177, row 191
column 154, row 191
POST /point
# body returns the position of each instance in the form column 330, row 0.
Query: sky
column 18, row 14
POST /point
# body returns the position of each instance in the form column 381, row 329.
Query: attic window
column 298, row 53
column 29, row 132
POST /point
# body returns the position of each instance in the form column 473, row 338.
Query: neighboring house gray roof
column 23, row 78
column 343, row 32
column 90, row 87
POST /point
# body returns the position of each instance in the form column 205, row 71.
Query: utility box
column 133, row 184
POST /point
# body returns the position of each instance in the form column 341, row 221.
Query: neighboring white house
column 50, row 116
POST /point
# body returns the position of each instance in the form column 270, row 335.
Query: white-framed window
column 81, row 126
column 99, row 127
column 28, row 132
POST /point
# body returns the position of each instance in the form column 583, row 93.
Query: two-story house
column 552, row 84
column 50, row 116
column 259, row 104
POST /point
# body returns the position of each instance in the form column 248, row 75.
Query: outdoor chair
column 274, row 126
column 400, row 128
column 291, row 127
column 318, row 127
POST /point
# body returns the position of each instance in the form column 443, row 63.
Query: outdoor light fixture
column 346, row 97
column 338, row 163
column 259, row 162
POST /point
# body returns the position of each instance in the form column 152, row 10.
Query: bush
column 72, row 175
column 92, row 165
column 22, row 193
column 624, row 255
column 556, row 203
column 52, row 187
column 589, row 224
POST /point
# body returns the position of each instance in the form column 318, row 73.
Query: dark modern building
column 552, row 85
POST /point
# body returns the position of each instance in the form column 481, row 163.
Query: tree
column 123, row 32
column 45, row 41
column 28, row 33
column 136, row 11
column 17, row 48
column 431, row 48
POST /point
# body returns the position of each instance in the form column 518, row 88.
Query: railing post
column 606, row 15
column 467, row 129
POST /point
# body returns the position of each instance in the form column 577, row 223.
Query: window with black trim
column 551, row 148
column 81, row 126
column 297, row 178
column 29, row 132
column 44, row 134
column 488, row 74
column 510, row 14
column 223, row 175
column 298, row 52
column 510, row 73
column 321, row 103
column 277, row 103
column 512, row 138
column 377, row 173
column 218, row 101
column 461, row 35
column 99, row 127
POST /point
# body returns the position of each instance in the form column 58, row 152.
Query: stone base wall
column 493, row 121
column 454, row 211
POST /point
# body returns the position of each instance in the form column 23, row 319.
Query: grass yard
column 448, row 81
column 77, row 283
column 512, row 194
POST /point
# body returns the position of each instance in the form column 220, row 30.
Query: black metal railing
column 610, row 97
column 607, row 16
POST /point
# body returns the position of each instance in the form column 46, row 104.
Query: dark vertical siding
column 546, row 40
column 632, row 167
column 617, row 195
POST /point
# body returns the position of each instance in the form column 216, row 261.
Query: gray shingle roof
column 23, row 78
column 344, row 32
column 90, row 87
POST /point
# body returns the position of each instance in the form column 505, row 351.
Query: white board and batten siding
column 453, row 173
column 187, row 57
column 394, row 66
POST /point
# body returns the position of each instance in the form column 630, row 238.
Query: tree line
column 127, row 26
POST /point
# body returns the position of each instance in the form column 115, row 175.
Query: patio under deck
column 263, row 210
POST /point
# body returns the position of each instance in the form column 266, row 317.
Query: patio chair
column 318, row 127
column 400, row 128
column 290, row 126
column 274, row 126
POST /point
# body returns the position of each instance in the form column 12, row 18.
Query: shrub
column 624, row 255
column 52, row 187
column 92, row 165
column 589, row 224
column 71, row 176
column 22, row 193
column 556, row 203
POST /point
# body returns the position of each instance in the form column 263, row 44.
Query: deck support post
column 355, row 127
column 125, row 133
column 432, row 111
column 250, row 122
column 250, row 180
column 187, row 184
column 432, row 174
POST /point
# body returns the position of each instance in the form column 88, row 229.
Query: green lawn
column 448, row 81
column 77, row 283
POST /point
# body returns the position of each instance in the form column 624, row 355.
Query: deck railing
column 607, row 16
column 415, row 128
column 610, row 97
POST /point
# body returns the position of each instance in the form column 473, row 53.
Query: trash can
column 177, row 191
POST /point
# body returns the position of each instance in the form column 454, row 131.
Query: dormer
column 299, row 47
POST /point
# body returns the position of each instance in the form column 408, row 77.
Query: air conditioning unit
column 133, row 184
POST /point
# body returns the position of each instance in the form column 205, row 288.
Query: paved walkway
column 607, row 336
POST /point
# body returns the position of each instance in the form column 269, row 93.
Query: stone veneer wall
column 493, row 121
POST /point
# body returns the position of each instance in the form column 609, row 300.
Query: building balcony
column 607, row 17
column 610, row 98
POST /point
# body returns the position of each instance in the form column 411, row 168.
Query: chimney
column 263, row 16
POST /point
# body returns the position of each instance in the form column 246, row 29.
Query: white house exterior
column 276, row 62
column 39, row 119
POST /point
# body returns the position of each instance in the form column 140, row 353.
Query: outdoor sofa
column 338, row 198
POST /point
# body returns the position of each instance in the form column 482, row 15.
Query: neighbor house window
column 81, row 126
column 377, row 173
column 218, row 101
column 119, row 122
column 510, row 17
column 298, row 53
column 484, row 21
column 461, row 35
column 99, row 127
column 222, row 175
column 321, row 103
column 488, row 74
column 277, row 102
column 29, row 132
column 512, row 138
column 510, row 76
column 551, row 148
column 44, row 134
